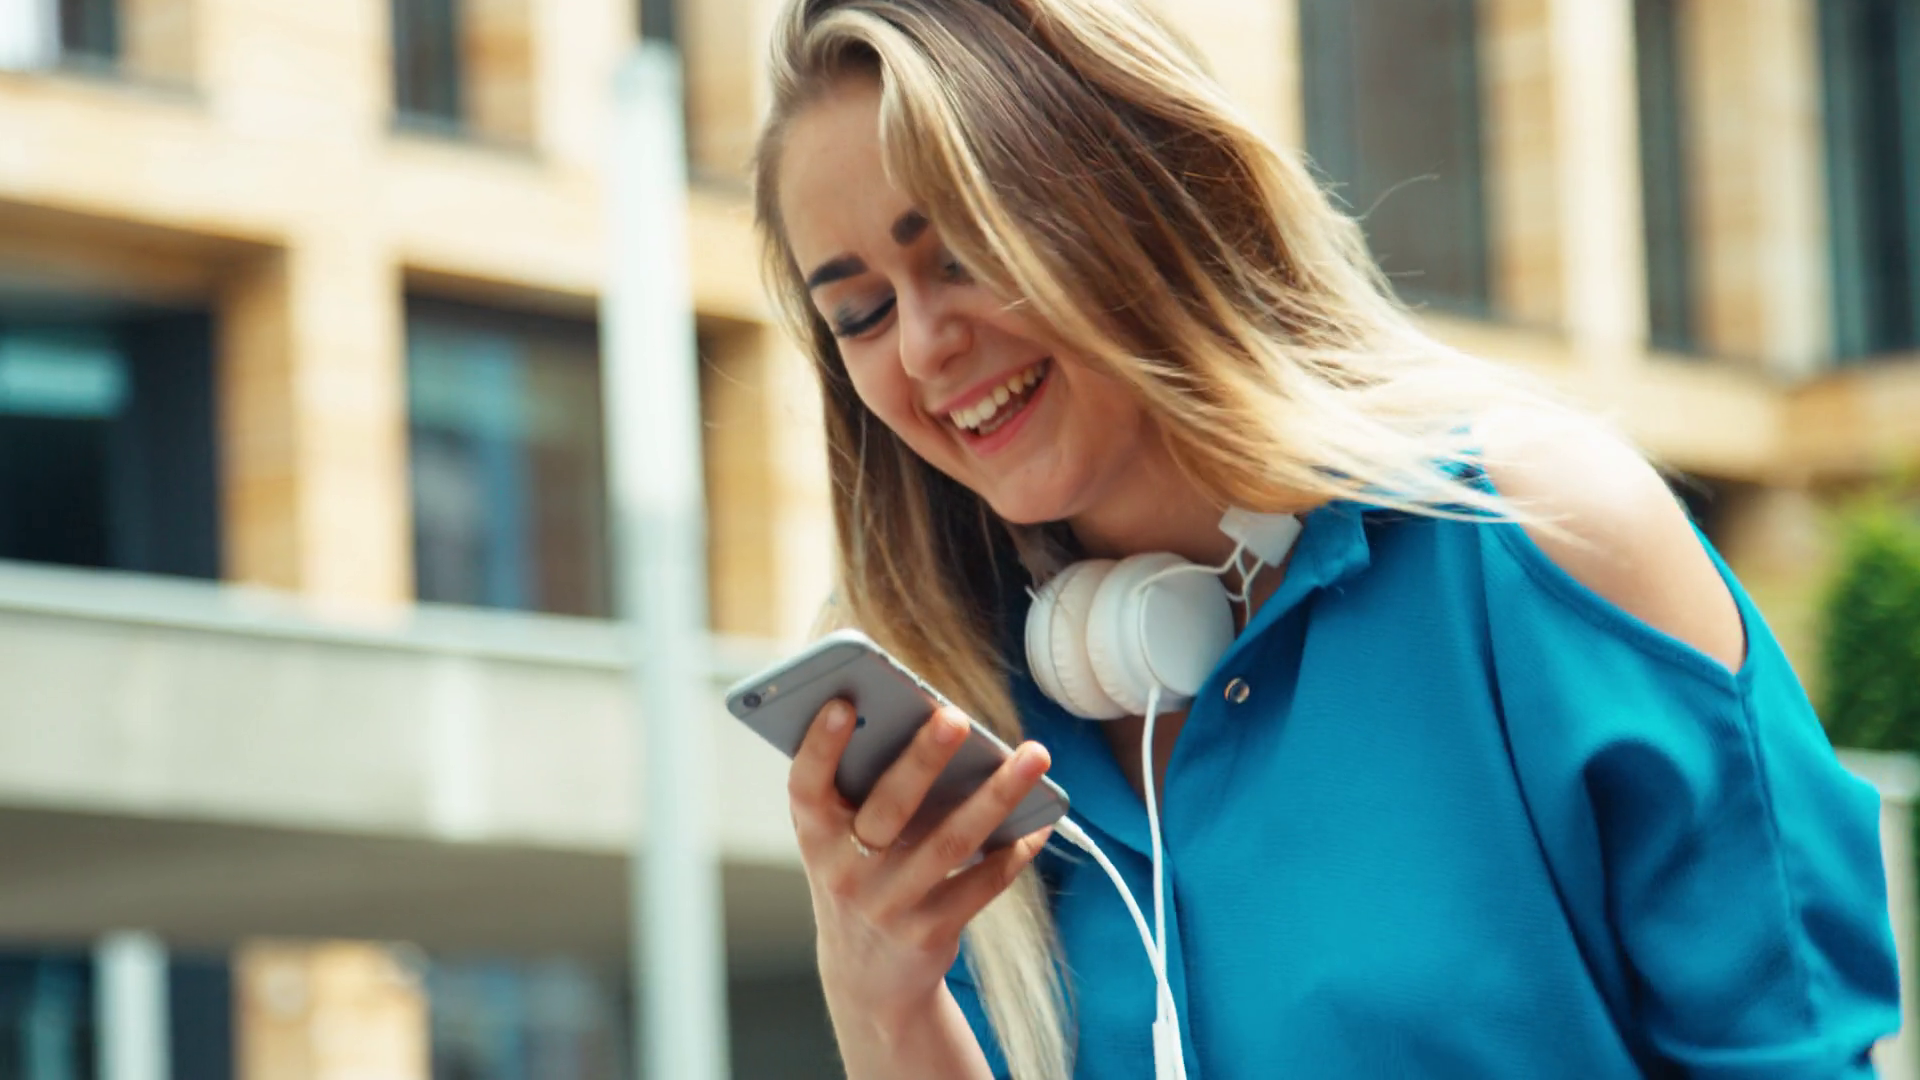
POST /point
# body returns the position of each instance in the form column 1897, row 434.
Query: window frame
column 1863, row 185
column 508, row 355
column 1666, row 191
column 1332, row 113
column 90, row 32
column 449, row 114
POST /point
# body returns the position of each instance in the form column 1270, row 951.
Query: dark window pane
column 1871, row 69
column 426, row 60
column 200, row 1017
column 53, row 488
column 657, row 20
column 501, row 1019
column 107, row 443
column 90, row 28
column 46, row 1015
column 1393, row 120
column 1663, row 174
column 508, row 488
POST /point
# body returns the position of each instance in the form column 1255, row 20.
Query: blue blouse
column 1472, row 820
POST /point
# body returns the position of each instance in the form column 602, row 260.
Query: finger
column 810, row 786
column 955, row 901
column 966, row 829
column 898, row 794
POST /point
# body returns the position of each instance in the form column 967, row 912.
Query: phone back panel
column 891, row 706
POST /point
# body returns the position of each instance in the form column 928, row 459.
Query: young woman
column 1502, row 774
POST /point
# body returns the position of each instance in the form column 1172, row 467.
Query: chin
column 1027, row 508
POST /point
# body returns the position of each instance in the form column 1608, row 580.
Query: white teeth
column 984, row 410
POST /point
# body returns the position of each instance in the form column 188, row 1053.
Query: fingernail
column 947, row 731
column 837, row 716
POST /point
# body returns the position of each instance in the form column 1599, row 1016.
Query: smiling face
column 977, row 391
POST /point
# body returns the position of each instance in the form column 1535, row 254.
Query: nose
column 932, row 333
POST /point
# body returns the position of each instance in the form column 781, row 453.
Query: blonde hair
column 1078, row 160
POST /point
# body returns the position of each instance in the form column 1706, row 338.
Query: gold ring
column 860, row 845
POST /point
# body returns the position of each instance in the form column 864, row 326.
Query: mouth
column 1008, row 401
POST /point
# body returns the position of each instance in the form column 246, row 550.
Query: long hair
column 1080, row 162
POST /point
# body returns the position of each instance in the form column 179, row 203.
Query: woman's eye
column 854, row 326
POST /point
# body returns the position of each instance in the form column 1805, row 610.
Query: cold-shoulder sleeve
column 1722, row 867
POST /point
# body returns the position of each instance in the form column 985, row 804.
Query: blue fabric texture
column 1475, row 821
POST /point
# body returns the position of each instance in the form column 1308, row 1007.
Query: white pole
column 29, row 34
column 658, row 510
column 130, row 972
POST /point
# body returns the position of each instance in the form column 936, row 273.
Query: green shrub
column 1870, row 650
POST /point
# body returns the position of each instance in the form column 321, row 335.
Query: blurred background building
column 316, row 755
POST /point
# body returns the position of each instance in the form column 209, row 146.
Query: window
column 200, row 1016
column 90, row 28
column 1393, row 121
column 46, row 1015
column 46, row 33
column 1663, row 174
column 465, row 68
column 657, row 20
column 107, row 442
column 427, row 73
column 1871, row 69
column 509, row 499
column 549, row 1019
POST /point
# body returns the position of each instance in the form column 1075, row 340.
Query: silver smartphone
column 891, row 705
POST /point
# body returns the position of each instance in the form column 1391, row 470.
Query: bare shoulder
column 1626, row 536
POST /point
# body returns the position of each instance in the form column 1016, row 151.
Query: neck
column 1157, row 509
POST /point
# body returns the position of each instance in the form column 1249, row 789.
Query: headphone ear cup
column 1057, row 646
column 1113, row 638
column 1171, row 634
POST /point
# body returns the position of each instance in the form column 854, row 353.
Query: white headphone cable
column 1167, row 1051
column 1166, row 1067
column 1169, row 1058
column 1232, row 563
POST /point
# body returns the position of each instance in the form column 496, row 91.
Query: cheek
column 886, row 392
column 1104, row 411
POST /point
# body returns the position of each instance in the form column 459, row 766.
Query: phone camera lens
column 751, row 701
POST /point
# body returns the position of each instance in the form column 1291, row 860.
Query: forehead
column 835, row 197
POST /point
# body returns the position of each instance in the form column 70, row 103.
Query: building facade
column 312, row 724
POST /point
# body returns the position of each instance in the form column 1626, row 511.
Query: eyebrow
column 906, row 229
column 835, row 269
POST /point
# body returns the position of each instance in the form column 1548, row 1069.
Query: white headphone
column 1103, row 634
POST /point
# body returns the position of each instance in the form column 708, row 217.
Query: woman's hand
column 889, row 913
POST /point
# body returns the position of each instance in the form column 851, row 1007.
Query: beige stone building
column 303, row 649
